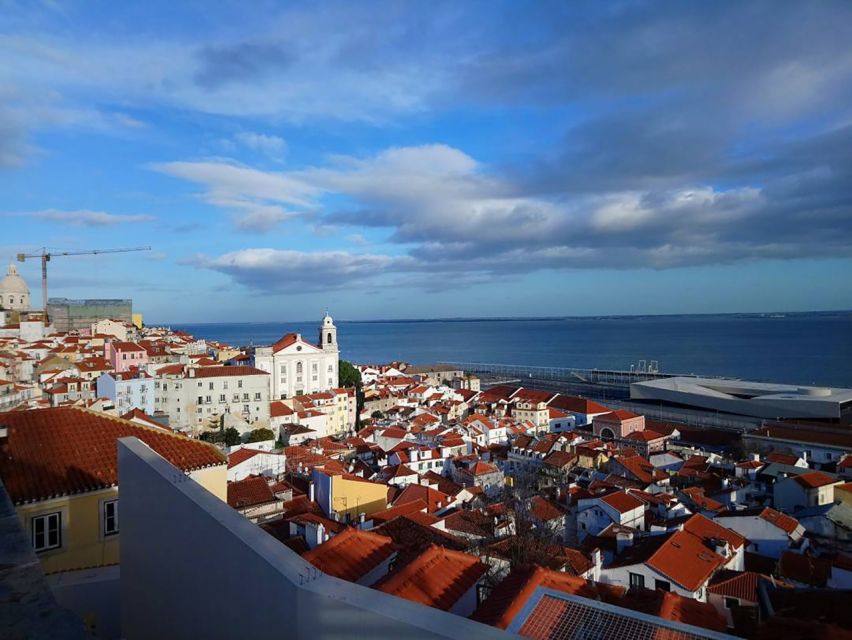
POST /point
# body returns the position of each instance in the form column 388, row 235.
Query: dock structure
column 614, row 377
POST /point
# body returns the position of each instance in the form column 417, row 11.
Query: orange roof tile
column 351, row 554
column 67, row 450
column 814, row 479
column 622, row 501
column 249, row 492
column 509, row 597
column 438, row 578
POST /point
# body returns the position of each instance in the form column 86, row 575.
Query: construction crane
column 46, row 256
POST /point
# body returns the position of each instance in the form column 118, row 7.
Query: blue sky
column 407, row 160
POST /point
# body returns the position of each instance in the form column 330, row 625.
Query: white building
column 768, row 532
column 811, row 489
column 297, row 367
column 128, row 390
column 620, row 508
column 191, row 397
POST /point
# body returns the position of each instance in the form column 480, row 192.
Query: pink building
column 617, row 424
column 124, row 355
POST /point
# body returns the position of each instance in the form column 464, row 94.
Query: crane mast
column 46, row 257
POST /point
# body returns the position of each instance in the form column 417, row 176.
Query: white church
column 298, row 367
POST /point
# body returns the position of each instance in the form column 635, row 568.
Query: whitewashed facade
column 298, row 367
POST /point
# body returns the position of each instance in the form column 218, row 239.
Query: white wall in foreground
column 192, row 567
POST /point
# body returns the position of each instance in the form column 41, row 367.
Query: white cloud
column 84, row 218
column 272, row 146
column 275, row 269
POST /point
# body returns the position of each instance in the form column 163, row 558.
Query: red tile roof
column 437, row 578
column 351, row 554
column 622, row 501
column 241, row 455
column 218, row 372
column 545, row 510
column 67, row 450
column 737, row 584
column 686, row 557
column 278, row 409
column 398, row 510
column 814, row 479
column 249, row 492
column 284, row 342
column 617, row 415
column 434, row 499
column 509, row 597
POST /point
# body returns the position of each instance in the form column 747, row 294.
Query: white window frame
column 45, row 517
column 104, row 532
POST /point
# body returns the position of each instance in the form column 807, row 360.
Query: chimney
column 755, row 457
column 721, row 547
column 311, row 491
column 191, row 373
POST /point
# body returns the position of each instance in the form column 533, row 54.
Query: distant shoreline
column 768, row 315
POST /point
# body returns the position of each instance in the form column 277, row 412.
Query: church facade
column 299, row 367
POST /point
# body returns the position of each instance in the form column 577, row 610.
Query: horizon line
column 525, row 318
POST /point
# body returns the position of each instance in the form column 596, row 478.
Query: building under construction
column 70, row 315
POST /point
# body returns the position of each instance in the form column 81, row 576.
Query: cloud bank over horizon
column 429, row 150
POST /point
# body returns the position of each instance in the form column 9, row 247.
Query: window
column 211, row 386
column 208, row 399
column 240, row 384
column 245, row 397
column 225, row 384
column 298, row 368
column 314, row 368
column 665, row 585
column 257, row 396
column 730, row 603
column 47, row 533
column 110, row 513
column 637, row 581
column 221, row 397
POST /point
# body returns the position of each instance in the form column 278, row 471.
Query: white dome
column 13, row 283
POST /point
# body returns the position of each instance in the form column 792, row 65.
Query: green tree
column 349, row 376
column 259, row 435
column 377, row 415
column 231, row 437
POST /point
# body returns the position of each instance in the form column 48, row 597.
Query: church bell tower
column 328, row 334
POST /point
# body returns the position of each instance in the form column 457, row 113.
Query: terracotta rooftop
column 351, row 554
column 67, row 450
column 737, row 584
column 622, row 501
column 218, row 372
column 278, row 409
column 438, row 578
column 814, row 479
column 780, row 520
column 251, row 491
column 508, row 598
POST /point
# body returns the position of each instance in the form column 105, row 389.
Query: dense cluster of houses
column 423, row 485
column 461, row 499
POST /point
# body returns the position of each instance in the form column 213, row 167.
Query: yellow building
column 136, row 318
column 60, row 469
column 345, row 497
